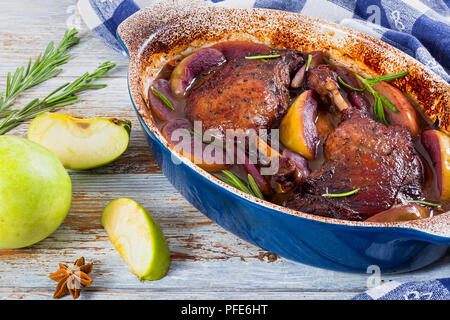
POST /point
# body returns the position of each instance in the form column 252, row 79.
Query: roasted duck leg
column 361, row 153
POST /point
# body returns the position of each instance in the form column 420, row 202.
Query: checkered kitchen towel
column 437, row 289
column 419, row 28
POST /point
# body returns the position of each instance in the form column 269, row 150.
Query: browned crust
column 157, row 34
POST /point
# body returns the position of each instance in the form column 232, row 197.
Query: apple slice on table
column 137, row 237
column 406, row 115
column 437, row 145
column 298, row 130
column 81, row 143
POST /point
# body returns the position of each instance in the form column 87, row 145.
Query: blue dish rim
column 399, row 227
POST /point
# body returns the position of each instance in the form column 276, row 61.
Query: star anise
column 72, row 278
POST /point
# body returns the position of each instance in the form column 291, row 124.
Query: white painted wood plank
column 208, row 262
column 137, row 294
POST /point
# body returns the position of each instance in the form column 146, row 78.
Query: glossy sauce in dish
column 350, row 148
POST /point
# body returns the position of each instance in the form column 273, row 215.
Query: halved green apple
column 81, row 143
column 137, row 237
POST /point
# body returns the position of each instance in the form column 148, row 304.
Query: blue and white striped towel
column 420, row 28
column 436, row 289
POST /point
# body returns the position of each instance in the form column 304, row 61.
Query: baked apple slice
column 298, row 130
column 324, row 125
column 238, row 49
column 406, row 116
column 164, row 104
column 401, row 213
column 300, row 162
column 437, row 145
column 81, row 143
column 179, row 132
column 194, row 65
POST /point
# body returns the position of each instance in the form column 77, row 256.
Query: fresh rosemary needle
column 234, row 181
column 347, row 85
column 270, row 56
column 426, row 203
column 337, row 195
column 238, row 183
column 42, row 69
column 308, row 63
column 378, row 109
column 374, row 81
column 62, row 96
column 163, row 98
column 254, row 186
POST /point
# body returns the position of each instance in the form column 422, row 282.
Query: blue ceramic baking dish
column 157, row 34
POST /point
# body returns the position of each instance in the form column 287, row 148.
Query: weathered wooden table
column 207, row 261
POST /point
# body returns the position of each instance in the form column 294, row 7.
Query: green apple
column 137, row 237
column 81, row 143
column 35, row 192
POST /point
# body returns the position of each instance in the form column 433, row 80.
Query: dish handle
column 133, row 32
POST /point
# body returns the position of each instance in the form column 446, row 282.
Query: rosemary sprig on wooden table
column 43, row 69
column 62, row 96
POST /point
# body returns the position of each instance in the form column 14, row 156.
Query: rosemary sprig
column 379, row 100
column 62, row 96
column 374, row 81
column 42, row 69
column 254, row 186
column 238, row 183
column 308, row 63
column 425, row 203
column 270, row 56
column 337, row 195
column 388, row 104
column 163, row 98
column 378, row 109
column 347, row 85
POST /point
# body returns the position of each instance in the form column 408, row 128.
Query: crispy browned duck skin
column 247, row 94
column 365, row 154
column 244, row 94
